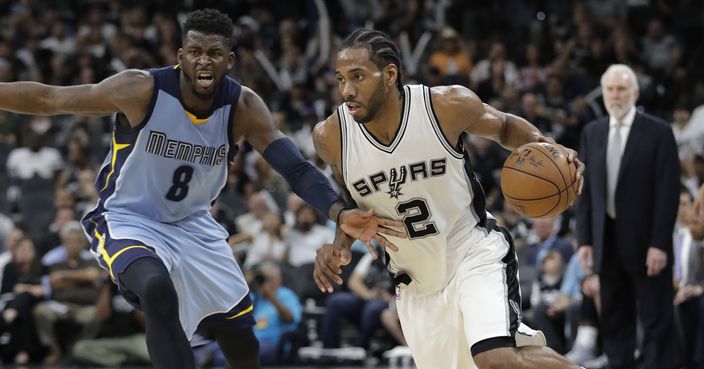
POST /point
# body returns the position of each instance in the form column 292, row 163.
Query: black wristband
column 337, row 219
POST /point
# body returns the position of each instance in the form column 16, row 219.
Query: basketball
column 538, row 181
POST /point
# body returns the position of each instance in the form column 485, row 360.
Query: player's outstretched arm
column 460, row 110
column 127, row 92
column 253, row 121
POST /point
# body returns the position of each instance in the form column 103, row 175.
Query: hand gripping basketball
column 539, row 180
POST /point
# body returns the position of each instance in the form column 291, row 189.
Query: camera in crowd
column 258, row 278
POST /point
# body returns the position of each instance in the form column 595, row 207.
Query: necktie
column 613, row 162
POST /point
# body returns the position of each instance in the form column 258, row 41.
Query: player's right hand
column 585, row 253
column 363, row 225
column 328, row 262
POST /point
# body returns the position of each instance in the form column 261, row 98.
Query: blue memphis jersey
column 173, row 164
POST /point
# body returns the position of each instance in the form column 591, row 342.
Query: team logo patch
column 395, row 182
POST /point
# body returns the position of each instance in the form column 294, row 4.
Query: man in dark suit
column 625, row 220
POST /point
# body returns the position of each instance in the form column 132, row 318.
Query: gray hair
column 71, row 227
column 620, row 68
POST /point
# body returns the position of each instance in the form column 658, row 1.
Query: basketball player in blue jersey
column 175, row 131
column 398, row 150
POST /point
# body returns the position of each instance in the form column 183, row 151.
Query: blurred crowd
column 541, row 60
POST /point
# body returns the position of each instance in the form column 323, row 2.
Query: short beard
column 374, row 105
column 194, row 88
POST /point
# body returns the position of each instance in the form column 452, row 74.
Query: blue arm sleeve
column 305, row 180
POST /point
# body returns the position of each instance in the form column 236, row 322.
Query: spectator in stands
column 451, row 59
column 251, row 223
column 533, row 73
column 585, row 346
column 268, row 244
column 658, row 46
column 689, row 279
column 71, row 236
column 497, row 54
column 75, row 285
column 52, row 237
column 546, row 240
column 369, row 295
column 306, row 236
column 21, row 280
column 545, row 294
column 11, row 240
column 121, row 340
column 277, row 311
column 34, row 158
column 689, row 136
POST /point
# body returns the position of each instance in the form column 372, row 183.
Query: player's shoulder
column 330, row 126
column 451, row 93
column 247, row 95
column 455, row 106
column 130, row 86
column 327, row 137
column 250, row 103
column 136, row 78
column 454, row 97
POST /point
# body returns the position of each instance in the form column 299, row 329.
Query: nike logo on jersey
column 395, row 177
column 159, row 144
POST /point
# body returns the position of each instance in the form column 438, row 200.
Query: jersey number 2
column 179, row 188
column 416, row 217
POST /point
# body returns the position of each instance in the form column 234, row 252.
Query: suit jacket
column 647, row 191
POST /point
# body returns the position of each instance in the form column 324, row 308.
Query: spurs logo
column 395, row 182
column 397, row 176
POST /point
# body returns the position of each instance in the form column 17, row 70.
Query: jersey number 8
column 179, row 188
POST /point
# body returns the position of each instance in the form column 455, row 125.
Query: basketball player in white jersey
column 398, row 150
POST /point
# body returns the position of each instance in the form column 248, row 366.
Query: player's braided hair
column 382, row 50
column 210, row 21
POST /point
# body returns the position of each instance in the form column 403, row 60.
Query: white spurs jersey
column 421, row 179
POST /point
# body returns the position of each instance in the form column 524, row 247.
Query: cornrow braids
column 382, row 50
column 210, row 21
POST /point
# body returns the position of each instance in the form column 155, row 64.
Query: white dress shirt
column 625, row 129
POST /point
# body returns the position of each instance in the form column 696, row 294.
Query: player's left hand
column 365, row 226
column 655, row 261
column 572, row 158
column 328, row 262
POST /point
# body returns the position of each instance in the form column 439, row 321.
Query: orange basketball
column 538, row 181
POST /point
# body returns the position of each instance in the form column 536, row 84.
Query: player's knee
column 159, row 294
column 498, row 358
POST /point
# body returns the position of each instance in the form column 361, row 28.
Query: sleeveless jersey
column 419, row 178
column 173, row 164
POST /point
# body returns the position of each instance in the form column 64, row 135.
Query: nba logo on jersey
column 397, row 295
